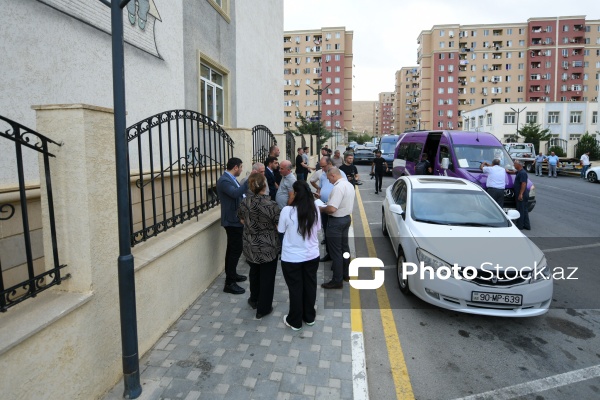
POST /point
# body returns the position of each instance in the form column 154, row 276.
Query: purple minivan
column 458, row 154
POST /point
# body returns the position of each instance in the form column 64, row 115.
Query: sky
column 378, row 27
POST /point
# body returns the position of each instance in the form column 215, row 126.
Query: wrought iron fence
column 557, row 142
column 177, row 157
column 262, row 140
column 22, row 280
column 290, row 147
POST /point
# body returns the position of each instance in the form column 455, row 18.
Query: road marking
column 583, row 246
column 394, row 348
column 538, row 385
column 571, row 191
column 360, row 386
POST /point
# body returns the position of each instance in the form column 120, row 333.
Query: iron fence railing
column 290, row 147
column 262, row 140
column 179, row 156
column 557, row 142
column 20, row 281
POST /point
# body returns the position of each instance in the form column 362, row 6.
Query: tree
column 557, row 151
column 533, row 133
column 588, row 143
column 358, row 137
column 308, row 127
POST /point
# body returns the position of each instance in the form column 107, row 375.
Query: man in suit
column 231, row 194
column 272, row 164
column 274, row 152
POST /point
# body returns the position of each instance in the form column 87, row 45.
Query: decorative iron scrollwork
column 6, row 208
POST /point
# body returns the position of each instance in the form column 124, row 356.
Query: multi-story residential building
column 385, row 113
column 318, row 60
column 566, row 120
column 407, row 100
column 542, row 60
column 363, row 113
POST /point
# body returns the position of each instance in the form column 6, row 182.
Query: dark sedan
column 363, row 156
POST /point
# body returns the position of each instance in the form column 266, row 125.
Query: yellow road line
column 395, row 354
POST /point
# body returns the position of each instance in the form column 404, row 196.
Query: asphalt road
column 450, row 355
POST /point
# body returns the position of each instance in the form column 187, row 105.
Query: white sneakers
column 286, row 324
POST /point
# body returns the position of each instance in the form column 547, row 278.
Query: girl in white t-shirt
column 300, row 223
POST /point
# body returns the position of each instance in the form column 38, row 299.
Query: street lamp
column 318, row 92
column 518, row 114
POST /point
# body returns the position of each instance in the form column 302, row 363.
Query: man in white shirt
column 585, row 162
column 339, row 207
column 495, row 184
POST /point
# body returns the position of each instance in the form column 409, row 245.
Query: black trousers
column 522, row 208
column 378, row 181
column 324, row 219
column 498, row 195
column 301, row 280
column 337, row 243
column 233, row 252
column 262, row 284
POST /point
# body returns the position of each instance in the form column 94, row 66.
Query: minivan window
column 471, row 156
column 402, row 151
column 414, row 152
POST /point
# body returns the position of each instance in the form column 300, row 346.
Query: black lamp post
column 518, row 113
column 318, row 92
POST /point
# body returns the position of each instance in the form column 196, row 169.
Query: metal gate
column 562, row 143
column 262, row 140
column 290, row 147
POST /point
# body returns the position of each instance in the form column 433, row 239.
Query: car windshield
column 388, row 147
column 471, row 156
column 456, row 207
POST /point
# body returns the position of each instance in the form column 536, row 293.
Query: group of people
column 274, row 214
column 552, row 160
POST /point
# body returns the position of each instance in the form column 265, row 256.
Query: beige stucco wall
column 65, row 344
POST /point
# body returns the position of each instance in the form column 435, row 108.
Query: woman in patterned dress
column 260, row 216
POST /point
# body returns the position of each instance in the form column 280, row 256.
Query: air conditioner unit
column 451, row 35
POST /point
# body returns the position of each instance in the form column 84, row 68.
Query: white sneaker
column 286, row 323
column 310, row 323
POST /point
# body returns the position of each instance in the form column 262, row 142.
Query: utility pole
column 318, row 92
column 518, row 114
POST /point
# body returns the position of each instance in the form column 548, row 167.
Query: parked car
column 364, row 156
column 442, row 222
column 592, row 174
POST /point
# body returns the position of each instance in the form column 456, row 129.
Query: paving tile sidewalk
column 218, row 350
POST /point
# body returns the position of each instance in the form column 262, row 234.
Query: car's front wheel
column 592, row 177
column 403, row 283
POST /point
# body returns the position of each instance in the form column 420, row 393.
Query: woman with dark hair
column 300, row 221
column 260, row 216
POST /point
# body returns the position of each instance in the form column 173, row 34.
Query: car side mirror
column 396, row 209
column 445, row 162
column 513, row 214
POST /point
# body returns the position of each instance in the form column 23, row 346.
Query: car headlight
column 532, row 191
column 430, row 260
column 541, row 272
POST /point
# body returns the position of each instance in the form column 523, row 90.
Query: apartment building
column 407, row 100
column 386, row 113
column 316, row 61
column 363, row 117
column 462, row 67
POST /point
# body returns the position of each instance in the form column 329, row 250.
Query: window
column 486, row 32
column 481, row 120
column 489, row 119
column 442, row 45
column 509, row 31
column 328, row 46
column 337, row 68
column 441, row 68
column 565, row 28
column 509, row 43
column 222, row 6
column 450, row 90
column 520, row 89
column 509, row 54
column 336, row 102
column 328, row 80
column 521, row 43
column 594, row 117
column 553, row 117
column 212, row 93
column 442, row 32
column 440, row 79
column 337, row 35
column 337, row 79
column 521, row 66
column 440, row 113
column 336, row 90
column 337, row 57
column 440, row 90
column 575, row 117
column 450, row 79
column 509, row 117
column 521, row 54
column 338, row 46
column 531, row 117
column 441, row 56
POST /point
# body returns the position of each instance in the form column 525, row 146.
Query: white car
column 457, row 249
column 592, row 174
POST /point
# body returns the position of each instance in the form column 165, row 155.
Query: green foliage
column 557, row 150
column 308, row 127
column 588, row 143
column 533, row 133
column 358, row 137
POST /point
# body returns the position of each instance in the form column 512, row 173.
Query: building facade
column 462, row 67
column 318, row 60
column 407, row 100
column 363, row 117
column 386, row 113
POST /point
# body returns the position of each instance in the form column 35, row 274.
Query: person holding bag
column 300, row 222
column 260, row 216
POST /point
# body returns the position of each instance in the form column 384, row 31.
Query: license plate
column 497, row 298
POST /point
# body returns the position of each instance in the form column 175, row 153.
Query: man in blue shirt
column 552, row 164
column 522, row 196
column 538, row 164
